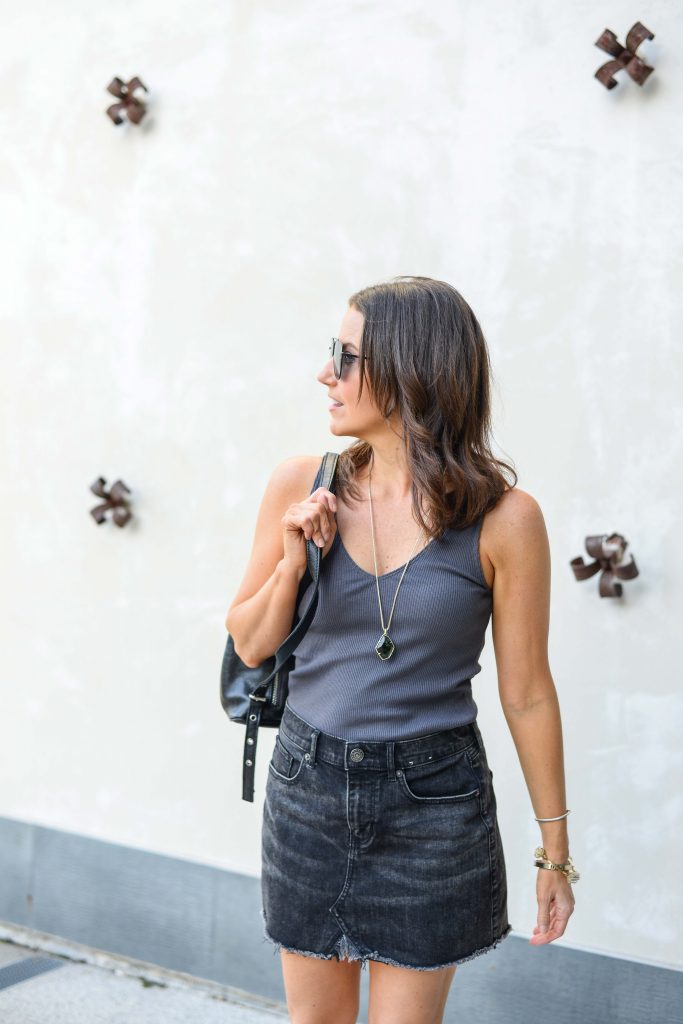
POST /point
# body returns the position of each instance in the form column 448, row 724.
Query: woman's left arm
column 517, row 544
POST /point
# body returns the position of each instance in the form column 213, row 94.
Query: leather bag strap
column 324, row 478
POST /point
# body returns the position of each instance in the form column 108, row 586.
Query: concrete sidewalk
column 47, row 980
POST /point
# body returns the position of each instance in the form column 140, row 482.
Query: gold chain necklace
column 385, row 646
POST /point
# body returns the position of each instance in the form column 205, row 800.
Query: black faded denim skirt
column 385, row 851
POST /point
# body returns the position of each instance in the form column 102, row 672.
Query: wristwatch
column 567, row 867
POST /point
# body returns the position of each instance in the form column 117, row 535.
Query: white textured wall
column 167, row 297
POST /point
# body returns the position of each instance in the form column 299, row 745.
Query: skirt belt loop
column 391, row 770
column 314, row 740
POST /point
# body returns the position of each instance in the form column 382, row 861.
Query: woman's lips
column 335, row 405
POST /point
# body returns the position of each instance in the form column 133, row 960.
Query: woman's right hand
column 312, row 518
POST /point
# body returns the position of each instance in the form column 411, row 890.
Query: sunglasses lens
column 336, row 353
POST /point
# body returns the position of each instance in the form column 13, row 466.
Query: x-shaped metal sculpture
column 133, row 107
column 608, row 552
column 116, row 501
column 625, row 56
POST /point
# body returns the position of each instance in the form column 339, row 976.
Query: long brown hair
column 427, row 358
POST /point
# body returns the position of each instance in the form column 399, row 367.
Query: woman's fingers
column 554, row 928
column 326, row 497
column 311, row 519
column 321, row 525
column 555, row 907
column 317, row 527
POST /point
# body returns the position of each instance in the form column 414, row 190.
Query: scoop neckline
column 338, row 540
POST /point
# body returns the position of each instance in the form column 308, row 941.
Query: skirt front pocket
column 284, row 765
column 446, row 780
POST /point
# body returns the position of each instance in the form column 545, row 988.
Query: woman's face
column 351, row 417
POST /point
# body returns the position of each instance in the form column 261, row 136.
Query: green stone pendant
column 385, row 646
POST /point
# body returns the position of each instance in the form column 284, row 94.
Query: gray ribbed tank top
column 339, row 684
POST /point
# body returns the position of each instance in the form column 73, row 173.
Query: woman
column 380, row 842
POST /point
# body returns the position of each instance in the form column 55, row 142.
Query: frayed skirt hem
column 346, row 950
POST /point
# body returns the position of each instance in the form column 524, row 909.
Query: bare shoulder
column 296, row 475
column 514, row 529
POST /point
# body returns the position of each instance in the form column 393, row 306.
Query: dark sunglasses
column 341, row 359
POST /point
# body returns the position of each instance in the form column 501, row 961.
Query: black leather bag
column 257, row 696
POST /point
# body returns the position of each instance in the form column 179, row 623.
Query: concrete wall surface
column 168, row 295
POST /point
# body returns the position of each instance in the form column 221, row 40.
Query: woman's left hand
column 555, row 905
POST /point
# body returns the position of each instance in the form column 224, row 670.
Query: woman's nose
column 326, row 372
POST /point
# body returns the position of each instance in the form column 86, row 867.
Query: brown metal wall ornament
column 608, row 551
column 133, row 107
column 115, row 499
column 625, row 56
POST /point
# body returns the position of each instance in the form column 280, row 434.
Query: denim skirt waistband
column 377, row 755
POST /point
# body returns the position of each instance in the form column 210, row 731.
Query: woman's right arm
column 261, row 615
